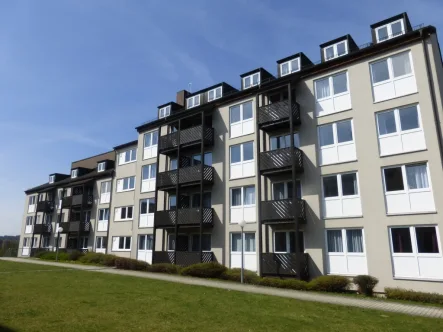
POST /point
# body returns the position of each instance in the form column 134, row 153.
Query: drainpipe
column 259, row 182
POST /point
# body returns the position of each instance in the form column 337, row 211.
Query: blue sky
column 76, row 77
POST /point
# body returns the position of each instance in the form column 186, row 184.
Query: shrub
column 336, row 284
column 97, row 258
column 130, row 264
column 204, row 270
column 50, row 256
column 270, row 282
column 294, row 284
column 235, row 275
column 40, row 254
column 365, row 284
column 107, row 260
column 410, row 295
column 164, row 268
column 75, row 255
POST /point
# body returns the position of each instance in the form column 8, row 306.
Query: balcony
column 185, row 138
column 182, row 258
column 76, row 226
column 42, row 228
column 45, row 206
column 75, row 200
column 281, row 211
column 186, row 217
column 187, row 176
column 280, row 160
column 284, row 265
column 276, row 116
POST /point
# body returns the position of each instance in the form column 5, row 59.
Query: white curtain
column 355, row 240
column 417, row 177
column 335, row 242
column 236, row 197
column 322, row 88
column 249, row 242
column 236, row 242
column 249, row 193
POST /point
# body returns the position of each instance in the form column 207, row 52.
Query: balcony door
column 283, row 190
column 144, row 252
column 105, row 192
column 147, row 208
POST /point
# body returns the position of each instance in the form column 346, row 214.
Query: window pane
column 249, row 193
column 218, row 92
column 349, row 184
column 322, row 88
column 131, row 182
column 294, row 65
column 235, row 114
column 149, row 239
column 330, row 187
column 274, row 143
column 335, row 242
column 386, row 123
column 235, row 154
column 401, row 240
column 401, row 64
column 128, row 243
column 393, row 179
column 249, row 242
column 285, row 68
column 255, row 79
column 172, row 202
column 129, row 208
column 380, row 71
column 382, row 33
column 155, row 138
column 151, row 205
column 173, row 164
column 142, row 242
column 329, row 52
column 208, row 159
column 280, row 242
column 206, row 242
column 396, row 29
column 247, row 82
column 248, row 153
column 145, row 172
column 236, row 197
column 236, row 242
column 326, row 135
column 344, row 131
column 171, row 242
column 355, row 240
column 121, row 243
column 340, row 83
column 207, row 201
column 279, row 190
column 417, row 176
column 148, row 140
column 123, row 213
column 153, row 171
column 341, row 48
column 247, row 110
column 409, row 118
column 144, row 207
column 427, row 240
column 195, row 242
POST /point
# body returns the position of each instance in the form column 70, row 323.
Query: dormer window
column 101, row 166
column 164, row 112
column 51, row 178
column 290, row 66
column 74, row 173
column 215, row 94
column 390, row 30
column 336, row 50
column 251, row 80
column 193, row 101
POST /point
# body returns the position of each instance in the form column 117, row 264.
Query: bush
column 130, row 264
column 75, row 255
column 108, row 260
column 270, row 282
column 235, row 275
column 41, row 254
column 204, row 270
column 410, row 295
column 50, row 256
column 97, row 258
column 294, row 284
column 164, row 268
column 336, row 284
column 365, row 284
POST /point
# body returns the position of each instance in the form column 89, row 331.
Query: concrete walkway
column 409, row 309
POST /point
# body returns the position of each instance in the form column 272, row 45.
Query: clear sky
column 76, row 77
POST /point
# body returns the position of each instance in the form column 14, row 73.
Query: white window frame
column 32, row 200
column 214, row 91
column 99, row 244
column 286, row 190
column 296, row 140
column 389, row 30
column 132, row 154
column 335, row 47
column 122, row 182
column 244, row 243
column 105, row 196
column 340, row 196
column 391, row 78
column 104, row 215
column 288, row 241
column 251, row 77
column 101, row 167
column 74, row 173
column 146, row 236
column 152, row 149
column 84, row 240
column 242, row 206
column 164, row 112
column 51, row 178
column 242, row 121
column 29, row 221
column 330, row 78
column 289, row 64
column 336, row 144
column 193, row 101
column 117, row 248
column 242, row 161
column 118, row 211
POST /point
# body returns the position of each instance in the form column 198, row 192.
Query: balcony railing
column 186, row 176
column 186, row 137
column 188, row 217
column 278, row 211
column 42, row 228
column 272, row 114
column 284, row 265
column 77, row 200
column 45, row 206
column 280, row 160
column 76, row 226
column 182, row 258
column 66, row 201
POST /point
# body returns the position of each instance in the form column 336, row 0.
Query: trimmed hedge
column 204, row 270
column 410, row 295
column 365, row 284
column 164, row 268
column 50, row 256
column 336, row 284
column 250, row 277
column 294, row 284
column 75, row 255
column 97, row 258
column 130, row 264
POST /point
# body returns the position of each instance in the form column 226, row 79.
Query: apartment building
column 335, row 167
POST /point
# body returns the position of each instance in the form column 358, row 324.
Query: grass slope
column 69, row 300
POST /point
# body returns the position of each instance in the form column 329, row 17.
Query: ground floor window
column 101, row 242
column 249, row 251
column 145, row 242
column 45, row 242
column 121, row 243
column 84, row 242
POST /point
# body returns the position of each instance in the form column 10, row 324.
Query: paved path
column 409, row 309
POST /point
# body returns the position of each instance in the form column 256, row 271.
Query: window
column 150, row 144
column 346, row 251
column 242, row 160
column 147, row 210
column 206, row 242
column 284, row 141
column 336, row 50
column 248, row 244
column 123, row 213
column 283, row 190
column 105, row 192
column 243, row 204
column 29, row 221
column 284, row 242
column 195, row 200
column 74, row 173
column 145, row 242
column 172, row 164
column 393, row 77
column 241, row 119
column 45, row 241
column 215, row 93
column 290, row 66
column 101, row 166
column 148, row 177
column 193, row 101
column 196, row 159
column 48, row 219
column 103, row 215
column 336, row 141
column 400, row 130
column 416, row 252
column 32, row 200
column 408, row 189
column 126, row 184
column 121, row 243
column 51, row 178
column 251, row 80
column 390, row 30
column 128, row 156
column 101, row 242
column 332, row 94
column 341, row 196
column 164, row 112
column 84, row 242
column 182, row 242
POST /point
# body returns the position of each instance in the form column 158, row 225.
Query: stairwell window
column 147, row 209
column 390, row 30
column 336, row 50
column 251, row 80
column 332, row 94
column 336, row 141
column 121, row 243
column 242, row 160
column 164, row 112
column 126, row 184
column 123, row 213
column 241, row 119
column 243, row 204
column 74, row 173
column 127, row 156
column 149, row 172
column 105, row 192
column 215, row 93
column 290, row 67
column 193, row 101
column 150, row 145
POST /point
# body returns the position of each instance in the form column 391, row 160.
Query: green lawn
column 68, row 300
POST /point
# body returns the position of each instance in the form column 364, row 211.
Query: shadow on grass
column 6, row 329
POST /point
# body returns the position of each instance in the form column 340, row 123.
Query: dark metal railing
column 45, row 206
column 76, row 226
column 42, row 228
column 182, row 258
column 282, row 210
column 187, row 175
column 184, row 137
column 187, row 217
column 281, row 160
column 77, row 200
column 284, row 265
column 278, row 112
column 66, row 201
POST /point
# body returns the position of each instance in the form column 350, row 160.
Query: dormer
column 51, row 178
column 55, row 177
column 166, row 110
column 338, row 47
column 209, row 94
column 79, row 171
column 292, row 64
column 74, row 173
column 254, row 78
column 390, row 28
column 193, row 101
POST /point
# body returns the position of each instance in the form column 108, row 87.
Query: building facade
column 334, row 167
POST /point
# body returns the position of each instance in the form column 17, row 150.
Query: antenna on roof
column 190, row 87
